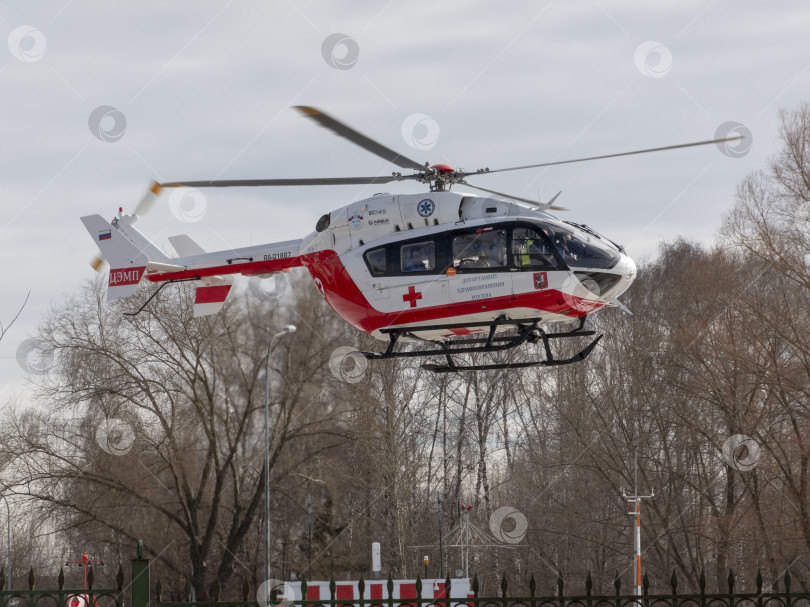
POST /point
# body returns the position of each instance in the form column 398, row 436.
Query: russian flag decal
column 105, row 235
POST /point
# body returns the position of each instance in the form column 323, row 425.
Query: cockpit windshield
column 580, row 250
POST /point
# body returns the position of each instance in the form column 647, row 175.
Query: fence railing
column 61, row 596
column 760, row 598
column 140, row 595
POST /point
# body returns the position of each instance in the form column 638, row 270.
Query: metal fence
column 141, row 593
column 61, row 596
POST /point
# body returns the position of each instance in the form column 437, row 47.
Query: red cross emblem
column 412, row 296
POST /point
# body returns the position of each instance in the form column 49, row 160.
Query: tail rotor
column 143, row 207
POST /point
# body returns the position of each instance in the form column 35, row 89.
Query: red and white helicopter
column 457, row 272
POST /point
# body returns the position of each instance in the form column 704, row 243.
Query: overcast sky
column 200, row 90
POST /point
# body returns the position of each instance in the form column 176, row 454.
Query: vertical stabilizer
column 127, row 262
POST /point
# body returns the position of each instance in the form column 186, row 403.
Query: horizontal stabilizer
column 159, row 266
column 210, row 296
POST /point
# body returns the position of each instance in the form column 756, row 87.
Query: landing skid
column 527, row 332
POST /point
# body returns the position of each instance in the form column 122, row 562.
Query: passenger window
column 376, row 261
column 417, row 257
column 481, row 249
column 531, row 250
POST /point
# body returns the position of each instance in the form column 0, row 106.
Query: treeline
column 152, row 427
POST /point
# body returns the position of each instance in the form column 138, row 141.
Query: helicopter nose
column 628, row 274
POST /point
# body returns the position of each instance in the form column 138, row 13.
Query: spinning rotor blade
column 518, row 198
column 668, row 147
column 228, row 183
column 97, row 262
column 338, row 128
column 148, row 201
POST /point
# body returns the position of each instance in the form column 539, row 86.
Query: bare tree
column 151, row 426
column 5, row 328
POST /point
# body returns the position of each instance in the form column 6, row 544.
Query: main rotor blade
column 338, row 128
column 229, row 183
column 518, row 198
column 668, row 147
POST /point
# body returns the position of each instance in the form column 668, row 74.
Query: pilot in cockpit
column 561, row 240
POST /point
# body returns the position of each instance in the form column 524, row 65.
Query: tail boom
column 214, row 271
column 132, row 256
column 247, row 265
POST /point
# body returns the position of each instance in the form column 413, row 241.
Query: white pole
column 464, row 548
column 638, row 524
column 8, row 542
column 287, row 329
column 376, row 560
column 267, row 463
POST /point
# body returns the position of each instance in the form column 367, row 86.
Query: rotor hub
column 440, row 177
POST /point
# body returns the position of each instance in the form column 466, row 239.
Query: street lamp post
column 8, row 539
column 287, row 329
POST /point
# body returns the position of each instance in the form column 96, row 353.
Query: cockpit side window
column 582, row 251
column 531, row 249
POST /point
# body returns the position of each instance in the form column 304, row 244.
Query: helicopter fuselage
column 446, row 258
column 394, row 262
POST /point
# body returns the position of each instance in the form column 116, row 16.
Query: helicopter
column 442, row 272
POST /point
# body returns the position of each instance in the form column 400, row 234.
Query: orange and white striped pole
column 636, row 499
